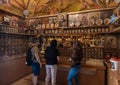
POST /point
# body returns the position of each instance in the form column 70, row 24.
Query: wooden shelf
column 113, row 77
column 80, row 27
column 77, row 34
column 56, row 28
column 19, row 33
column 50, row 34
column 10, row 26
column 116, row 30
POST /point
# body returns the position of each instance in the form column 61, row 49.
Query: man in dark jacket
column 76, row 58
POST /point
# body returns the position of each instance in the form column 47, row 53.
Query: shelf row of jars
column 76, row 31
column 89, row 30
column 36, row 31
column 47, row 26
column 53, row 31
column 57, row 25
column 9, row 29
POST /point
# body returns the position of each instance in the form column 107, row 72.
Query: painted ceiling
column 32, row 8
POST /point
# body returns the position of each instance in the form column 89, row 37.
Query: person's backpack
column 29, row 57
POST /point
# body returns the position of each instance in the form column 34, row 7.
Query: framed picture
column 6, row 20
column 106, row 14
column 31, row 22
column 62, row 19
column 110, row 42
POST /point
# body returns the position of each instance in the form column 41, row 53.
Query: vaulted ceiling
column 46, row 7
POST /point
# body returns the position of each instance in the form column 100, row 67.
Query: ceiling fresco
column 31, row 8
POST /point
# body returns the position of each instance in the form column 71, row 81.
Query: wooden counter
column 89, row 75
column 113, row 77
column 12, row 70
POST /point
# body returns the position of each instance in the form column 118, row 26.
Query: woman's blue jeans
column 74, row 74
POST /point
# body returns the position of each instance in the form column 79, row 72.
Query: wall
column 118, row 45
column 12, row 70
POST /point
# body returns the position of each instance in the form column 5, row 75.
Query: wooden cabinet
column 13, row 44
column 89, row 75
column 113, row 77
column 88, row 52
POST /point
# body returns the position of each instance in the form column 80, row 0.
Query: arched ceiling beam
column 16, row 7
column 27, row 4
column 40, row 6
column 19, row 4
column 37, row 6
column 24, row 7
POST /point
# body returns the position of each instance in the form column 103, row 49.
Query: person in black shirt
column 52, row 58
column 76, row 58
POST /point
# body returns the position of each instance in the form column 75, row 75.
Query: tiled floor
column 27, row 81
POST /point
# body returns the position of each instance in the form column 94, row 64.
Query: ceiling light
column 26, row 13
